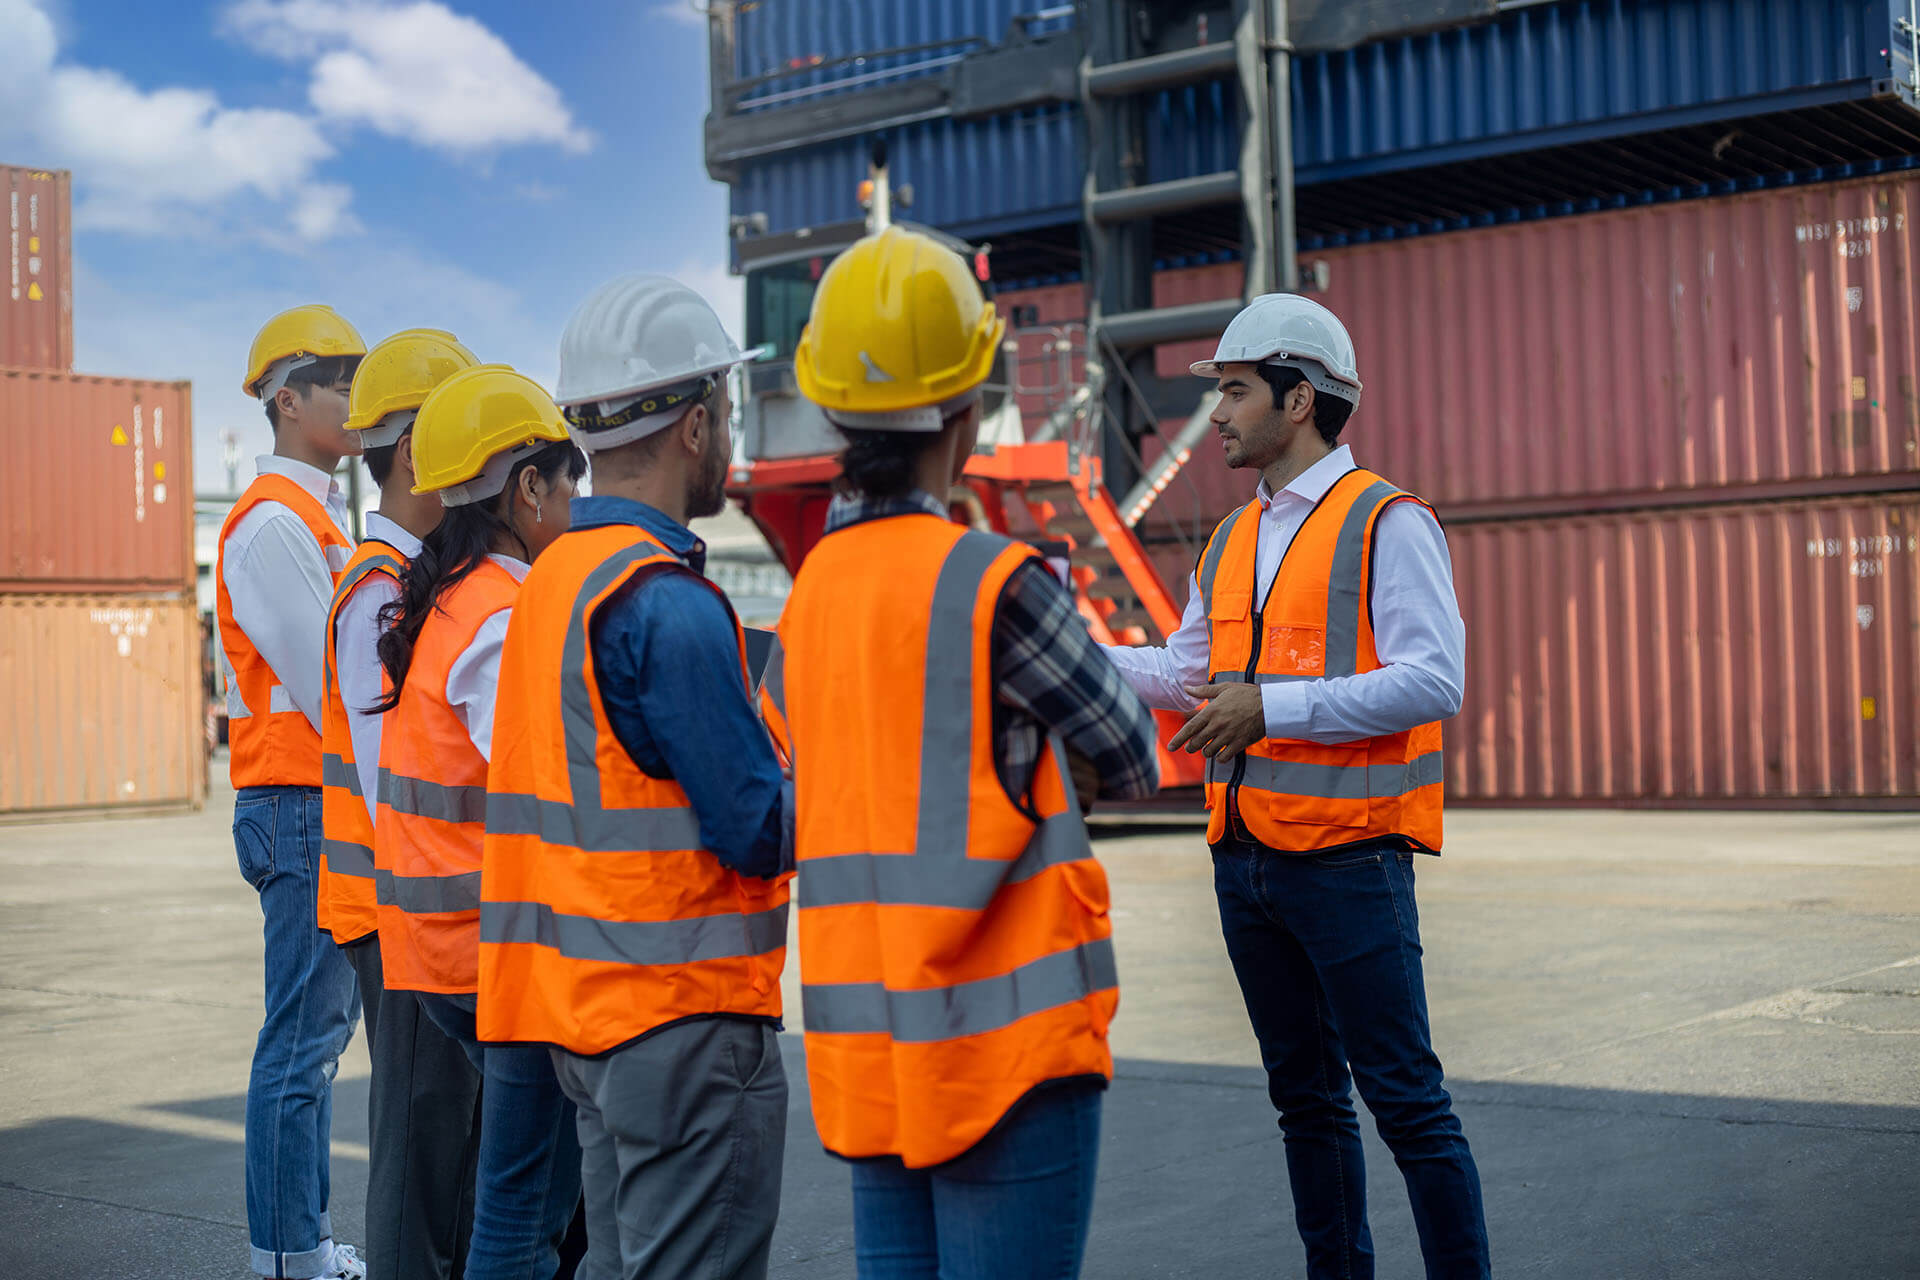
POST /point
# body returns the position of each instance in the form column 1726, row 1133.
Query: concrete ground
column 1682, row 1045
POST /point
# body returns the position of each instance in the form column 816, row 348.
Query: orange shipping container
column 36, row 310
column 98, row 490
column 1700, row 655
column 105, row 703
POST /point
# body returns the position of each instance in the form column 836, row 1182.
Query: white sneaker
column 346, row 1265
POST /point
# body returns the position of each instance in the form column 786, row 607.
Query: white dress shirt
column 473, row 681
column 281, row 586
column 356, row 658
column 1416, row 626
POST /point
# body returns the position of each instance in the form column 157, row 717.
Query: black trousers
column 423, row 1109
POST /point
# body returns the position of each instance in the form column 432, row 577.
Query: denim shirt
column 669, row 675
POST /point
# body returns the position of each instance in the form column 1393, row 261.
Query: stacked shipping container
column 101, row 651
column 1676, row 450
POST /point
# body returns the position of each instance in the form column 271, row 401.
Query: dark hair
column 455, row 548
column 879, row 464
column 323, row 372
column 1330, row 413
column 380, row 462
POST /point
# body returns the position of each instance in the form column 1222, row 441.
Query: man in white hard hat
column 637, row 921
column 1322, row 647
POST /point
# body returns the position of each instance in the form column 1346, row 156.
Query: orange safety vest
column 601, row 917
column 955, row 948
column 271, row 741
column 1316, row 623
column 345, row 897
column 430, row 816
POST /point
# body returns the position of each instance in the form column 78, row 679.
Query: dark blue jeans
column 1015, row 1207
column 528, row 1181
column 1327, row 951
column 311, row 1006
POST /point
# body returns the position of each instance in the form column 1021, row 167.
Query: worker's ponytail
column 464, row 538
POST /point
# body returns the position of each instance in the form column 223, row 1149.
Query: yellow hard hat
column 311, row 330
column 899, row 328
column 475, row 426
column 396, row 376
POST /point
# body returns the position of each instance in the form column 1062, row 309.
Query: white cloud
column 683, row 11
column 416, row 71
column 155, row 160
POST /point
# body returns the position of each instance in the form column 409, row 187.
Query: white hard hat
column 1287, row 329
column 633, row 335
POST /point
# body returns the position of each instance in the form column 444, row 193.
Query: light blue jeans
column 312, row 1005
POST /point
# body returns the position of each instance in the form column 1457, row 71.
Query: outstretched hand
column 1234, row 718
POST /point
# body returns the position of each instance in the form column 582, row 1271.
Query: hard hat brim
column 749, row 356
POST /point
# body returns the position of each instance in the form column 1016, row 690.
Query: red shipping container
column 36, row 311
column 98, row 492
column 1700, row 655
column 1754, row 340
column 1183, row 285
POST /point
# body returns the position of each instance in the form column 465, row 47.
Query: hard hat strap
column 608, row 424
column 927, row 419
column 276, row 375
column 388, row 430
column 493, row 477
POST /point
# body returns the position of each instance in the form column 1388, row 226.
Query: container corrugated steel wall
column 36, row 311
column 974, row 177
column 98, row 490
column 784, row 34
column 1723, row 654
column 1749, row 340
column 105, row 702
column 1535, row 77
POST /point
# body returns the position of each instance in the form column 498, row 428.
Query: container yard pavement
column 1683, row 1045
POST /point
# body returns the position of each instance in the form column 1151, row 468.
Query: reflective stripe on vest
column 272, row 743
column 582, row 952
column 969, row 952
column 1368, row 789
column 344, row 889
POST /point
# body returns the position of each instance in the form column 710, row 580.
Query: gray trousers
column 681, row 1136
column 423, row 1111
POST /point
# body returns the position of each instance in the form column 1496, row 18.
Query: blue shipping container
column 971, row 177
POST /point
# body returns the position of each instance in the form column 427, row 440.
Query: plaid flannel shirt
column 1048, row 674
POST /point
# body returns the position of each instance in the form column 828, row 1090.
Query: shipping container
column 97, row 492
column 1731, row 654
column 973, row 178
column 36, row 316
column 817, row 46
column 1758, row 340
column 1047, row 327
column 105, row 703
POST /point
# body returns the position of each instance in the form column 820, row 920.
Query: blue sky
column 472, row 165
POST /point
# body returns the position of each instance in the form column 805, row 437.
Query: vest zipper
column 1240, row 761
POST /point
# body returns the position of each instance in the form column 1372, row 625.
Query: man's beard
column 709, row 495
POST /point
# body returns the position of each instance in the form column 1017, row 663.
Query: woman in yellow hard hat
column 492, row 444
column 933, row 685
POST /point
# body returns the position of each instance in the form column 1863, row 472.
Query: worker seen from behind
column 492, row 446
column 1323, row 647
column 423, row 1091
column 938, row 695
column 634, row 914
column 281, row 550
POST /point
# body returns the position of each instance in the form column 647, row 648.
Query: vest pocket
column 1294, row 649
column 1321, row 786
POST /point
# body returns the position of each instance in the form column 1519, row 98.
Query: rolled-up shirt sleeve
column 1418, row 635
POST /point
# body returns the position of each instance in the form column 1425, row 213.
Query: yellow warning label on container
column 1868, row 708
column 159, row 471
column 1859, row 387
column 119, row 435
column 33, row 244
column 33, row 292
